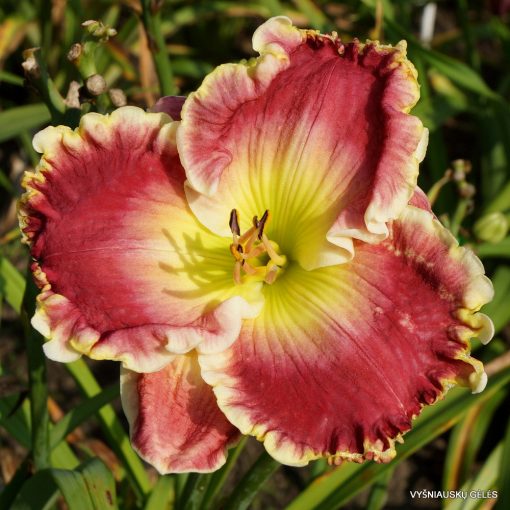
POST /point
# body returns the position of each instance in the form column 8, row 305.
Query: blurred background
column 60, row 59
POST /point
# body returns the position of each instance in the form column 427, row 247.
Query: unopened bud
column 72, row 99
column 461, row 167
column 466, row 190
column 96, row 84
column 492, row 227
column 117, row 97
column 74, row 53
column 98, row 29
column 30, row 64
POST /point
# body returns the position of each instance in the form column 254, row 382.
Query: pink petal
column 123, row 264
column 343, row 358
column 171, row 105
column 314, row 130
column 174, row 420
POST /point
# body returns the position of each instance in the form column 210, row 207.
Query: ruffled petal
column 125, row 269
column 314, row 130
column 343, row 358
column 174, row 421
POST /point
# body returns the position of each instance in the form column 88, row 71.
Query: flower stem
column 37, row 382
column 459, row 215
column 38, row 76
column 151, row 16
column 252, row 481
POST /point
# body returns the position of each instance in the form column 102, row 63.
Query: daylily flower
column 266, row 265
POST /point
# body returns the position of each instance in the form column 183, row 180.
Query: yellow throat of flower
column 255, row 255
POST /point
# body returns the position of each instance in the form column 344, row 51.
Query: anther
column 234, row 223
column 262, row 224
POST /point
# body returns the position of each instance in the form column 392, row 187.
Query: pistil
column 248, row 247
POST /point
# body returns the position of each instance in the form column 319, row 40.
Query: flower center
column 255, row 255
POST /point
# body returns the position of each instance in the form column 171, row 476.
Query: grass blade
column 81, row 413
column 218, row 478
column 503, row 502
column 251, row 483
column 162, row 495
column 113, row 430
column 22, row 118
column 12, row 284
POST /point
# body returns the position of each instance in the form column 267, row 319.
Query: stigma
column 255, row 255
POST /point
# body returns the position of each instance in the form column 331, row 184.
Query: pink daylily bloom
column 264, row 265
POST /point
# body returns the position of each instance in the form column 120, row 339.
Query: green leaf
column 498, row 309
column 74, row 489
column 316, row 16
column 379, row 493
column 112, row 429
column 16, row 424
column 90, row 487
column 484, row 481
column 6, row 183
column 503, row 502
column 21, row 118
column 251, row 483
column 455, row 70
column 218, row 478
column 12, row 284
column 334, row 489
column 100, row 484
column 12, row 489
column 40, row 492
column 465, row 441
column 11, row 78
column 37, row 381
column 81, row 413
column 162, row 495
column 502, row 200
column 490, row 250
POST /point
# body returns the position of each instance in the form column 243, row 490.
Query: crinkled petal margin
column 343, row 358
column 126, row 271
column 314, row 119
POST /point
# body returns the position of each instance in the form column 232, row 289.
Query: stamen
column 237, row 273
column 234, row 223
column 271, row 273
column 262, row 224
column 277, row 259
column 252, row 244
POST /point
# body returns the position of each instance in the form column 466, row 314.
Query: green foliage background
column 76, row 448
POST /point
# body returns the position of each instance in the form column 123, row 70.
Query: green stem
column 46, row 26
column 48, row 90
column 459, row 215
column 151, row 16
column 38, row 389
column 252, row 481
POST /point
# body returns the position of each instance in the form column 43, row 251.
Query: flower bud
column 466, row 190
column 492, row 227
column 95, row 85
column 30, row 64
column 74, row 53
column 461, row 167
column 117, row 97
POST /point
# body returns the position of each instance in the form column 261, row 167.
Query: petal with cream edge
column 126, row 271
column 175, row 423
column 316, row 131
column 342, row 358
